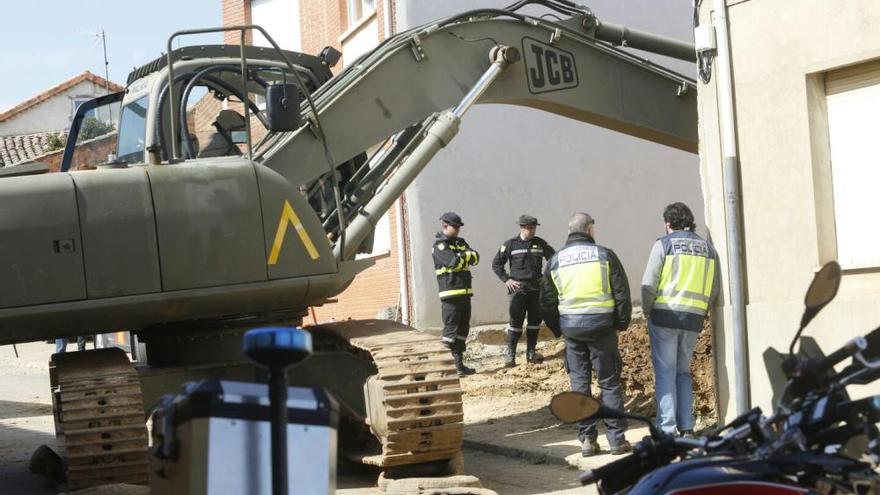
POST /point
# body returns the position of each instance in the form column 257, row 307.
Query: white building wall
column 788, row 189
column 53, row 114
column 511, row 160
column 280, row 18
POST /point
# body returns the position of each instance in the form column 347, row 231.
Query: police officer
column 585, row 295
column 453, row 259
column 526, row 253
column 678, row 287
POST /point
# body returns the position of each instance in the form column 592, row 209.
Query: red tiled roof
column 24, row 148
column 49, row 93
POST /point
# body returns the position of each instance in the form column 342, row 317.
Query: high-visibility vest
column 581, row 274
column 686, row 280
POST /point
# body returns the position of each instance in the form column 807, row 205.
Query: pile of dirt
column 497, row 391
column 638, row 372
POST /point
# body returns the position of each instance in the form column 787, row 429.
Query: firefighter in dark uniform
column 453, row 259
column 526, row 253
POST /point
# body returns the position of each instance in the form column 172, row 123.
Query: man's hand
column 512, row 285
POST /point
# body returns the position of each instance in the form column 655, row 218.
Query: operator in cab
column 453, row 259
column 526, row 253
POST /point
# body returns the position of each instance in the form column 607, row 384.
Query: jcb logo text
column 548, row 68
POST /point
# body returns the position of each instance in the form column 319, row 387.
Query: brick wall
column 373, row 290
column 321, row 23
column 88, row 154
column 236, row 13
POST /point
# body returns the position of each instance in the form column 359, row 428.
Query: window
column 280, row 18
column 358, row 9
column 132, row 131
column 853, row 101
column 75, row 103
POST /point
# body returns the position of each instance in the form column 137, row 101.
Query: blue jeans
column 61, row 344
column 671, row 353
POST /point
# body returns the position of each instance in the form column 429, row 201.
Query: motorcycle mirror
column 822, row 290
column 824, row 286
column 571, row 407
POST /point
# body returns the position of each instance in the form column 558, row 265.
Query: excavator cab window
column 132, row 131
column 213, row 123
column 92, row 137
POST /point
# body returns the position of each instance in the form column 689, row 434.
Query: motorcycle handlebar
column 849, row 349
column 649, row 454
column 625, row 467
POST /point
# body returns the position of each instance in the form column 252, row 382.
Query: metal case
column 214, row 438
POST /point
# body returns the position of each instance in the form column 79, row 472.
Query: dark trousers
column 600, row 354
column 456, row 312
column 522, row 302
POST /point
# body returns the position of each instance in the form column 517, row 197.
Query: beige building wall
column 781, row 52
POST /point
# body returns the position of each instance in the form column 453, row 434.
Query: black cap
column 452, row 219
column 527, row 220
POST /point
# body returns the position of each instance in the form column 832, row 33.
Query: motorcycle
column 818, row 441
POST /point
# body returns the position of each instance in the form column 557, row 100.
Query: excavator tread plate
column 440, row 382
column 75, row 395
column 439, row 409
column 453, row 418
column 422, row 393
column 99, row 419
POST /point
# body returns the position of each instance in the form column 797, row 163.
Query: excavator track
column 414, row 402
column 99, row 418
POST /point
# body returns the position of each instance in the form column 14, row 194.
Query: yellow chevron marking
column 289, row 216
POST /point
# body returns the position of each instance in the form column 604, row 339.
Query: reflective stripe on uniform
column 447, row 339
column 444, row 270
column 590, row 310
column 514, row 330
column 456, row 292
column 518, row 251
column 532, row 327
column 680, row 308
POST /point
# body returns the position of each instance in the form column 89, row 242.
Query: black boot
column 531, row 343
column 512, row 340
column 460, row 366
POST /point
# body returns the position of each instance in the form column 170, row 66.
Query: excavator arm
column 417, row 85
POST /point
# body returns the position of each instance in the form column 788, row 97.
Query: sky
column 47, row 42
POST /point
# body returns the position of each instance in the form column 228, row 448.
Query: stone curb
column 532, row 456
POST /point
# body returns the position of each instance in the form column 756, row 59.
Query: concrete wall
column 511, row 160
column 785, row 167
column 53, row 114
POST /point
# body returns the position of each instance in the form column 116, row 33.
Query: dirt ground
column 510, row 391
